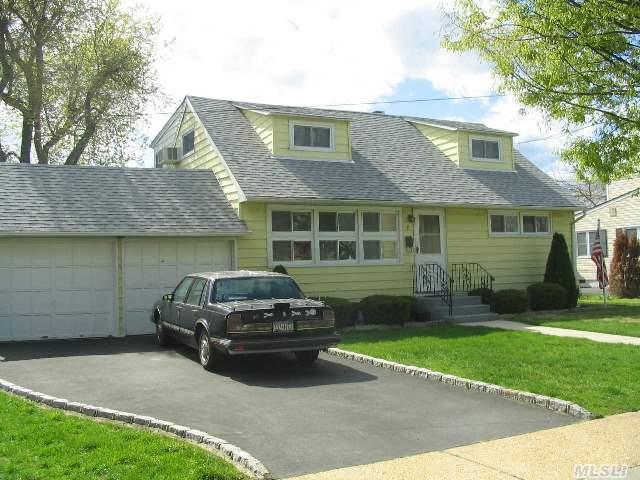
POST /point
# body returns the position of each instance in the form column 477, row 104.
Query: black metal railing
column 469, row 276
column 432, row 280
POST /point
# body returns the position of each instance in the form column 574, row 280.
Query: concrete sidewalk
column 548, row 454
column 557, row 332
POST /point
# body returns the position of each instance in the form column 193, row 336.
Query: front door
column 430, row 243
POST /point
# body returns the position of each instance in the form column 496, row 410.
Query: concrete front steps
column 466, row 308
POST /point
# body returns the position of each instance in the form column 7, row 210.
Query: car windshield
column 255, row 288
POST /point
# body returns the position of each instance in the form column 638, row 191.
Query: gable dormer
column 469, row 145
column 288, row 135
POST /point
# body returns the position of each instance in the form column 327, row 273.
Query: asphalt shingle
column 104, row 200
column 392, row 161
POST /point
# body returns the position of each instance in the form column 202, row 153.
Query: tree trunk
column 79, row 147
column 27, row 136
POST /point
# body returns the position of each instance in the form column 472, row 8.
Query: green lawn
column 37, row 443
column 620, row 317
column 602, row 378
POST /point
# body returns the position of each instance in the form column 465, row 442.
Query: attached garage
column 84, row 252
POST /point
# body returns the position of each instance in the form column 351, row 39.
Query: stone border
column 241, row 459
column 550, row 403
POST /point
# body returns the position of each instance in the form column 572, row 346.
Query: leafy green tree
column 78, row 73
column 577, row 60
column 560, row 269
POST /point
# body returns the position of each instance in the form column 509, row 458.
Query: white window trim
column 292, row 236
column 193, row 150
column 509, row 213
column 488, row 139
column 316, row 236
column 533, row 214
column 590, row 243
column 304, row 123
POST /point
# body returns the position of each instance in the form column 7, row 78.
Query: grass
column 38, row 443
column 601, row 377
column 620, row 317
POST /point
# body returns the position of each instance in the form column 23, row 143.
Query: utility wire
column 539, row 139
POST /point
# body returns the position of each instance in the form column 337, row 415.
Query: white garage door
column 56, row 288
column 153, row 267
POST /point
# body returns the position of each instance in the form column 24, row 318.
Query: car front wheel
column 205, row 352
column 307, row 357
column 161, row 334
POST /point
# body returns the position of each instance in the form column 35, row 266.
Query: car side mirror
column 168, row 297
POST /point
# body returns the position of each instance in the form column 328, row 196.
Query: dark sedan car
column 242, row 312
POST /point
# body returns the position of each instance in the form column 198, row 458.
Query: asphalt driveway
column 295, row 420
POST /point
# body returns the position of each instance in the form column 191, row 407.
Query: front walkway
column 549, row 454
column 557, row 332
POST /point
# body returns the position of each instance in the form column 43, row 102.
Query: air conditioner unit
column 166, row 155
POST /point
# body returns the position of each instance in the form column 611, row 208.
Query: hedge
column 345, row 310
column 387, row 309
column 509, row 301
column 547, row 296
column 484, row 293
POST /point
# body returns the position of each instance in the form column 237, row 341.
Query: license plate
column 282, row 326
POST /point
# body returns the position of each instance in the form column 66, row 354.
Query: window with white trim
column 535, row 224
column 504, row 223
column 291, row 236
column 324, row 236
column 188, row 143
column 632, row 232
column 584, row 242
column 337, row 236
column 485, row 149
column 379, row 236
column 311, row 136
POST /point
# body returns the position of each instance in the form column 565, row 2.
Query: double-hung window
column 584, row 243
column 337, row 236
column 535, row 224
column 311, row 136
column 504, row 223
column 291, row 236
column 188, row 143
column 485, row 149
column 632, row 232
column 379, row 236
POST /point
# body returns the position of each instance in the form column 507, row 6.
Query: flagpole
column 604, row 293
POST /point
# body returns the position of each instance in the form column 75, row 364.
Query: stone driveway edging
column 241, row 459
column 550, row 403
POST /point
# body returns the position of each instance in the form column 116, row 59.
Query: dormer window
column 311, row 136
column 487, row 150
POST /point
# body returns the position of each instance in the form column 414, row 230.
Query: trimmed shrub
column 560, row 269
column 387, row 309
column 345, row 310
column 280, row 269
column 484, row 293
column 546, row 296
column 625, row 267
column 509, row 301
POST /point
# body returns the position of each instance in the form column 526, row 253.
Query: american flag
column 598, row 259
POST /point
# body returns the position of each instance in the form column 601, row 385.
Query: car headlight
column 329, row 316
column 234, row 322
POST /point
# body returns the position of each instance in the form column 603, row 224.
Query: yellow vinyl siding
column 263, row 125
column 506, row 152
column 627, row 215
column 445, row 140
column 353, row 281
column 455, row 145
column 205, row 156
column 281, row 137
column 515, row 261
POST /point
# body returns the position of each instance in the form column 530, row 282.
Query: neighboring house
column 85, row 251
column 351, row 202
column 620, row 212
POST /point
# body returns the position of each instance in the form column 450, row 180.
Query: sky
column 333, row 52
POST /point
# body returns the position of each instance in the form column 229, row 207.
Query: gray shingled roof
column 101, row 200
column 392, row 161
column 464, row 126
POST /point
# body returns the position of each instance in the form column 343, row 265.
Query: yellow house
column 354, row 204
